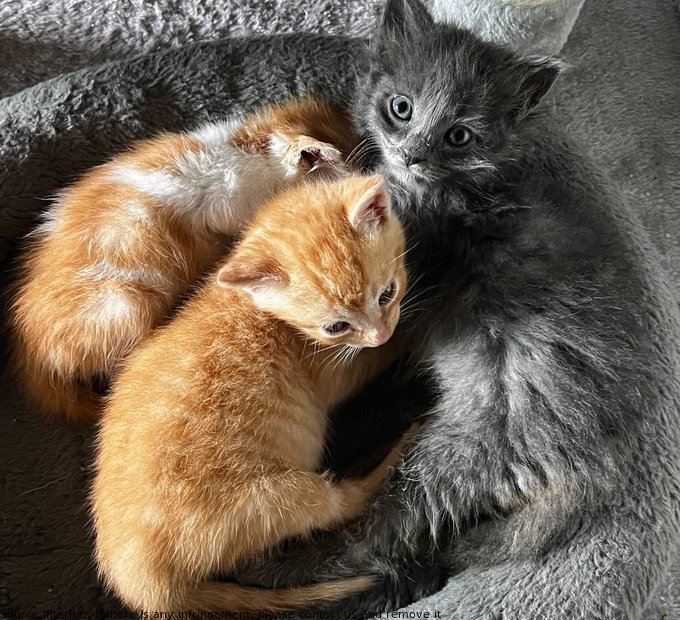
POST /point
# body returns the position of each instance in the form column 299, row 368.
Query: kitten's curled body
column 546, row 325
column 125, row 243
column 222, row 412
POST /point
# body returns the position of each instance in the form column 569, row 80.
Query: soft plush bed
column 621, row 101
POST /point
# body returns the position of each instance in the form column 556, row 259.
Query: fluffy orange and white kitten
column 128, row 240
column 212, row 435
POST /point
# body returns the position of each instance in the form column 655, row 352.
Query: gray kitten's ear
column 402, row 18
column 539, row 74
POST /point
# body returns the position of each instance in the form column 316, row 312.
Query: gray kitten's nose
column 412, row 156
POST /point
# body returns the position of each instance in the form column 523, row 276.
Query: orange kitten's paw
column 303, row 155
column 355, row 496
column 74, row 401
column 407, row 439
column 315, row 156
column 374, row 481
column 85, row 411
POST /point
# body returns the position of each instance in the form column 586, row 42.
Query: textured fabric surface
column 531, row 27
column 40, row 39
column 620, row 101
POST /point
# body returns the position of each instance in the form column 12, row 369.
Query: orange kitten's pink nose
column 380, row 336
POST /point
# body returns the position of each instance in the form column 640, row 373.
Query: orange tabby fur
column 128, row 240
column 216, row 424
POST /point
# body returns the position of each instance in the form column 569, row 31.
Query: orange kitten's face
column 364, row 315
column 327, row 259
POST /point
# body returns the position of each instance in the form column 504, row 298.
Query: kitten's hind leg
column 289, row 503
column 338, row 554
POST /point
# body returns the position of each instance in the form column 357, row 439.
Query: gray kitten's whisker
column 362, row 150
column 360, row 145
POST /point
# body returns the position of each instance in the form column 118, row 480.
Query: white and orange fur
column 215, row 426
column 123, row 245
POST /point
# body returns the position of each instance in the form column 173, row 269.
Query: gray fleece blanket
column 620, row 101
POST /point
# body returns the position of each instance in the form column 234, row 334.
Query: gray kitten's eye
column 459, row 136
column 401, row 107
column 336, row 328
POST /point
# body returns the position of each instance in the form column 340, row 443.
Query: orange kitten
column 127, row 241
column 216, row 424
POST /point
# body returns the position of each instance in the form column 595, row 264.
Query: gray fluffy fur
column 542, row 323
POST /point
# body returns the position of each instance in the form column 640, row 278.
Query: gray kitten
column 541, row 318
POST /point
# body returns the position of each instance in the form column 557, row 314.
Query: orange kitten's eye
column 337, row 328
column 388, row 294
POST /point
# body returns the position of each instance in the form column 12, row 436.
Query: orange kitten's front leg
column 365, row 488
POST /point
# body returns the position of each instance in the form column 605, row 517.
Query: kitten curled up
column 224, row 408
column 122, row 245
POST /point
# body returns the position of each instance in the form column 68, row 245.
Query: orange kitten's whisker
column 410, row 305
column 410, row 298
column 337, row 356
column 328, row 349
column 353, row 353
column 347, row 354
column 413, row 286
column 405, row 252
column 315, row 348
column 411, row 309
column 343, row 354
column 418, row 297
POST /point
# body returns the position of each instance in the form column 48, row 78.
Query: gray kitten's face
column 429, row 132
column 439, row 104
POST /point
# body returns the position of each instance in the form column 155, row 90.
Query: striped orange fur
column 211, row 439
column 124, row 244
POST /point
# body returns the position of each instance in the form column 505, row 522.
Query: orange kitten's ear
column 251, row 272
column 372, row 210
